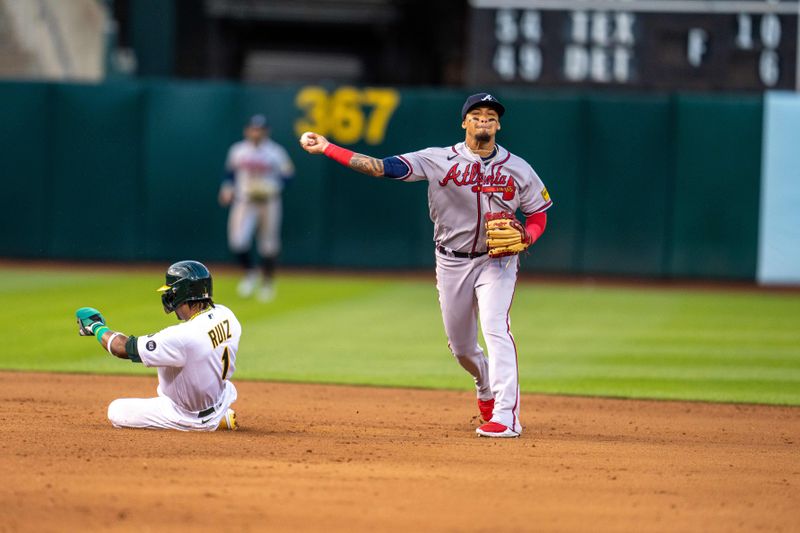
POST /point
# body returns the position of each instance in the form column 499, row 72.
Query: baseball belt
column 461, row 255
column 205, row 412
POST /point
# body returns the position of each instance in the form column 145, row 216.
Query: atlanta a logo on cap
column 488, row 98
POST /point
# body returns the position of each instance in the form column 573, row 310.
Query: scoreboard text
column 724, row 45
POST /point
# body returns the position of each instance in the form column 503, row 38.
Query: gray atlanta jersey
column 258, row 169
column 462, row 188
column 194, row 358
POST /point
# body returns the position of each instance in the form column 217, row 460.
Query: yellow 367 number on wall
column 347, row 115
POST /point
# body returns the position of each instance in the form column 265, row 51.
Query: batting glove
column 89, row 321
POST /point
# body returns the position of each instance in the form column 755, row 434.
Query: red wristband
column 338, row 154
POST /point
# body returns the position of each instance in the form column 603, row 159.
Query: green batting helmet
column 187, row 281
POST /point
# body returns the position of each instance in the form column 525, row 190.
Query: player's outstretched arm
column 314, row 143
column 91, row 323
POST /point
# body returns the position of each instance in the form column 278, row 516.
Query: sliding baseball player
column 195, row 358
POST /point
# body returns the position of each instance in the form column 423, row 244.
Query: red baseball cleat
column 493, row 429
column 487, row 408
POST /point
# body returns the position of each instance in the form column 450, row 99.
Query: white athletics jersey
column 462, row 188
column 194, row 358
column 258, row 169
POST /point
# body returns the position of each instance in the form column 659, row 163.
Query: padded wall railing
column 643, row 185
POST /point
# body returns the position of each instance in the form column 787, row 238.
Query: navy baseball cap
column 257, row 121
column 482, row 99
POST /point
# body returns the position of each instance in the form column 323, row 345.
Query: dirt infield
column 314, row 458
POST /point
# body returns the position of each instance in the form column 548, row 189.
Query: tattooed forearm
column 367, row 165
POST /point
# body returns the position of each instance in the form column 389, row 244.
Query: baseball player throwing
column 255, row 172
column 195, row 359
column 474, row 189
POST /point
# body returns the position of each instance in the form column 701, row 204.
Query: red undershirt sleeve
column 535, row 225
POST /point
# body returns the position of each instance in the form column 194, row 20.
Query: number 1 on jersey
column 226, row 362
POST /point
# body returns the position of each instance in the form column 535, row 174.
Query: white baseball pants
column 246, row 217
column 162, row 413
column 483, row 289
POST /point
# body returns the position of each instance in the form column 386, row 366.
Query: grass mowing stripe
column 747, row 391
column 697, row 372
column 638, row 342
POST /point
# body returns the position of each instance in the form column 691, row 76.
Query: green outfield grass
column 631, row 342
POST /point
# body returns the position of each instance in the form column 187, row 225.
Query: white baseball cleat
column 248, row 284
column 266, row 293
column 493, row 429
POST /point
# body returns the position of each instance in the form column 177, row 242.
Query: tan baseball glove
column 505, row 235
column 260, row 190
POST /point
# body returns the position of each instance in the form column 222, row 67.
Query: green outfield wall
column 644, row 185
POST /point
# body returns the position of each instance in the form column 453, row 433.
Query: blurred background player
column 256, row 170
column 195, row 359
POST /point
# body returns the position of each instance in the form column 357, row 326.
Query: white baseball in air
column 306, row 140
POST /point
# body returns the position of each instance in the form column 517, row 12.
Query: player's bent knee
column 116, row 413
column 464, row 352
column 470, row 360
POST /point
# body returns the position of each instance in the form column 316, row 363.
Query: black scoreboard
column 721, row 45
